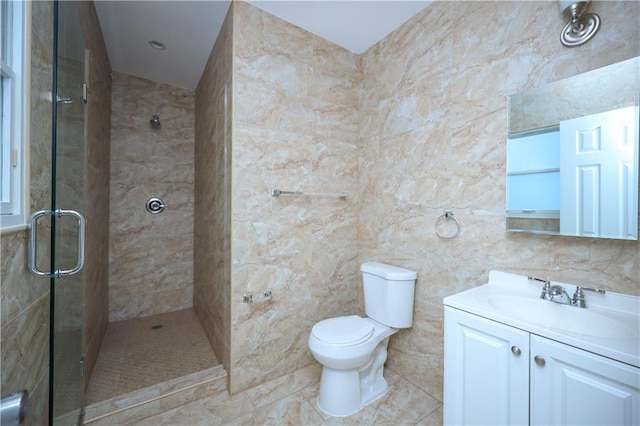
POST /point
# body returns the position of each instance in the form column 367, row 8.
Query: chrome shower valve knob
column 155, row 205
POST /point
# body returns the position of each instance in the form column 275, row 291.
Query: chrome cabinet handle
column 516, row 350
column 539, row 360
column 33, row 219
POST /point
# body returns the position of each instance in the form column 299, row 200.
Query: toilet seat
column 349, row 330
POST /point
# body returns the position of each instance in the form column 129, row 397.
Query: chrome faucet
column 558, row 294
column 555, row 292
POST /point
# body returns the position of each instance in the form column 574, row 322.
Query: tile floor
column 144, row 351
column 290, row 400
column 159, row 385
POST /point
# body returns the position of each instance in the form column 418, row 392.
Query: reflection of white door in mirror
column 598, row 189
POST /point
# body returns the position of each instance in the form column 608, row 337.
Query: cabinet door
column 486, row 373
column 570, row 386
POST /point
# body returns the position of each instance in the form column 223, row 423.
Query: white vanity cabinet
column 497, row 374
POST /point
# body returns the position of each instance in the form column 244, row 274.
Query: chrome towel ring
column 448, row 216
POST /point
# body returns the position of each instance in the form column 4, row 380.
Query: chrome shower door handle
column 81, row 227
column 33, row 238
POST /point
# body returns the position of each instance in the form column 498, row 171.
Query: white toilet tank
column 388, row 294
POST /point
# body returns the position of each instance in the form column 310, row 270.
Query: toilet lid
column 343, row 331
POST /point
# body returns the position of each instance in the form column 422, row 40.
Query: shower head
column 155, row 122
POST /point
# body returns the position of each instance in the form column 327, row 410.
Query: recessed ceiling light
column 157, row 45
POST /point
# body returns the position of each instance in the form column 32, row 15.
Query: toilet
column 353, row 350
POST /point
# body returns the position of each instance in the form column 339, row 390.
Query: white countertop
column 608, row 326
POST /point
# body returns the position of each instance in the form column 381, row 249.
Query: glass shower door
column 69, row 204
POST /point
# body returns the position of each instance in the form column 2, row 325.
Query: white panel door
column 599, row 175
column 570, row 386
column 486, row 373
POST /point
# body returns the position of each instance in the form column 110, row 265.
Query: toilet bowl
column 346, row 342
column 353, row 349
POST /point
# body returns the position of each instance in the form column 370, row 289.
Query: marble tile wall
column 24, row 307
column 150, row 255
column 98, row 140
column 295, row 127
column 212, row 195
column 552, row 103
column 428, row 106
column 433, row 126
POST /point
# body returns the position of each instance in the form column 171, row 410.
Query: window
column 12, row 117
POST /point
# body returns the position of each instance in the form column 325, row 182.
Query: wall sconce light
column 583, row 25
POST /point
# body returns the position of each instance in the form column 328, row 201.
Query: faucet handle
column 540, row 280
column 545, row 289
column 578, row 296
column 595, row 290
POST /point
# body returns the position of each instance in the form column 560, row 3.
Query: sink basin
column 580, row 322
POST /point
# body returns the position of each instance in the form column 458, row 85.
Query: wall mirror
column 572, row 155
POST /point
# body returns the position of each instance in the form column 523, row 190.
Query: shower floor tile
column 145, row 351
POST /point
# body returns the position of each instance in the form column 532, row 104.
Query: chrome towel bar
column 278, row 192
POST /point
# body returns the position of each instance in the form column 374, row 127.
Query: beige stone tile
column 369, row 415
column 24, row 347
column 431, row 130
column 19, row 289
column 619, row 38
column 135, row 355
column 286, row 385
column 157, row 399
column 467, row 73
column 143, row 245
column 404, row 402
column 292, row 409
column 219, row 408
column 38, row 402
column 212, row 169
column 433, row 419
column 130, row 415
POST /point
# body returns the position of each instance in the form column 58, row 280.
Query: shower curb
column 137, row 405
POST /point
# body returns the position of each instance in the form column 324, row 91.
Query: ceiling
column 189, row 29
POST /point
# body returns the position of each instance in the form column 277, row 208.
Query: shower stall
column 153, row 335
column 214, row 239
column 125, row 320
